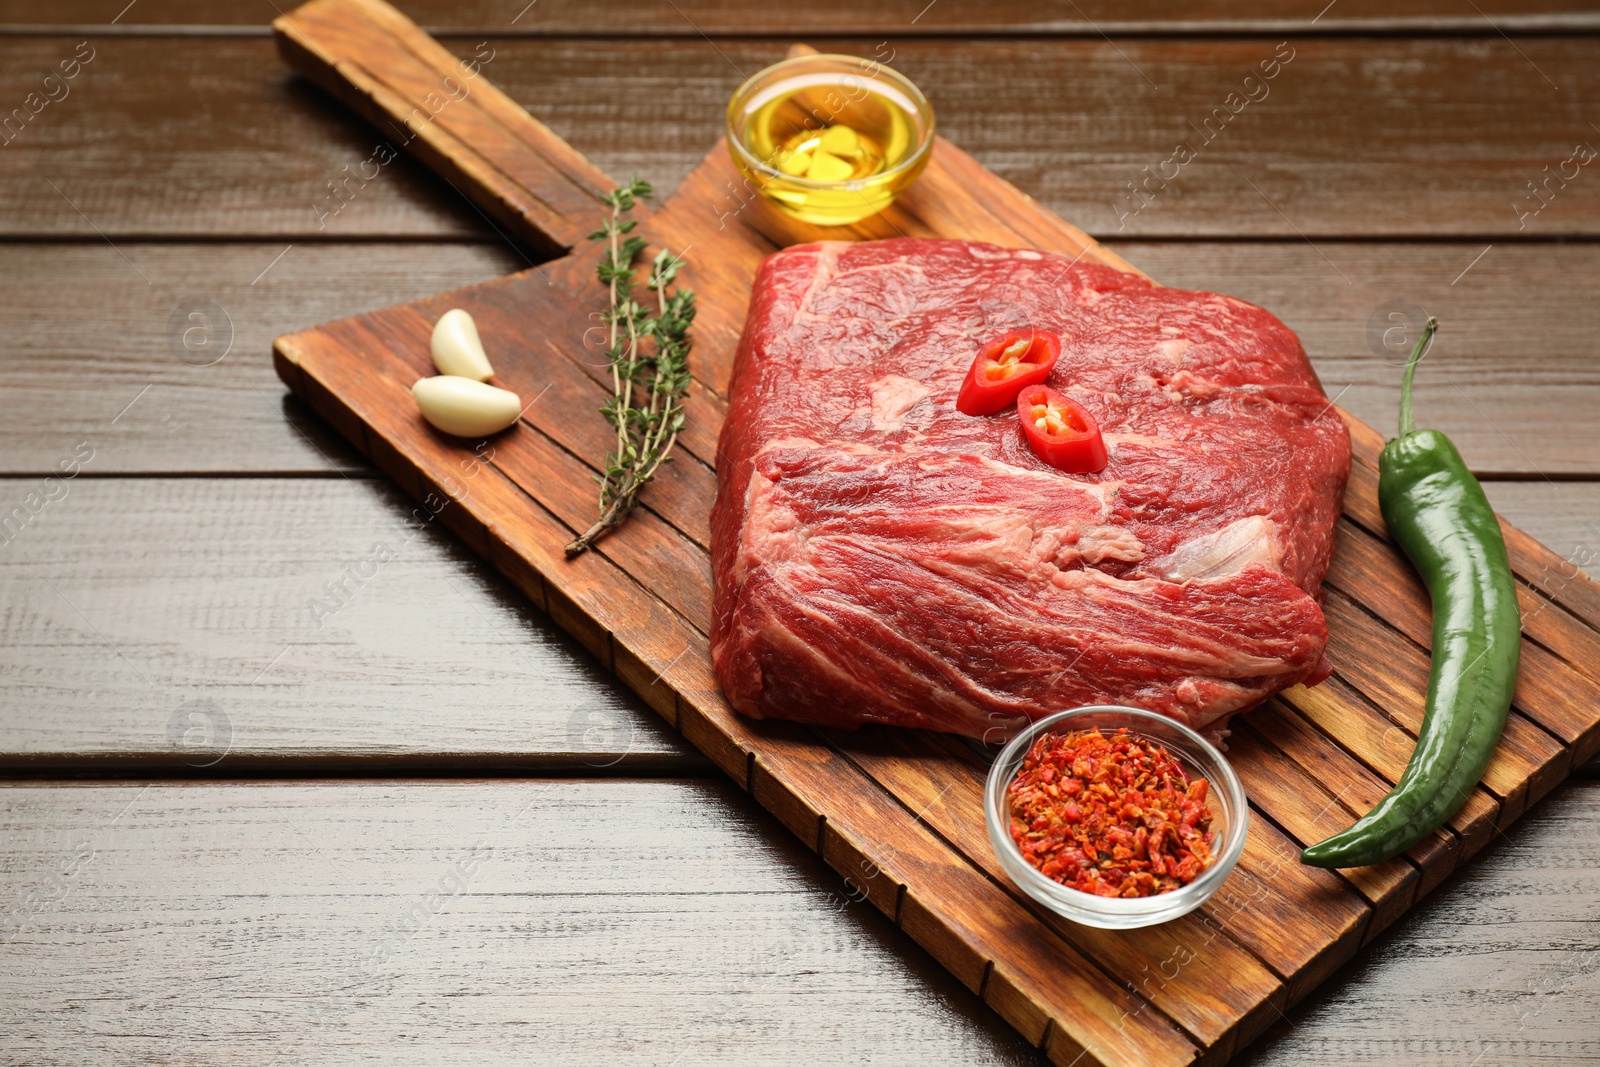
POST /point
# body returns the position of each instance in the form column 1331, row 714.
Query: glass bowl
column 886, row 142
column 1230, row 818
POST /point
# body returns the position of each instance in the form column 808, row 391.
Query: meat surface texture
column 880, row 557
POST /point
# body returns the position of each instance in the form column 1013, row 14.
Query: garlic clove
column 457, row 349
column 826, row 167
column 465, row 407
column 796, row 164
column 840, row 141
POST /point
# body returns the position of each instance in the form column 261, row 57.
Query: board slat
column 1559, row 695
column 1308, row 811
column 1435, row 857
column 1394, row 674
column 947, row 791
column 905, row 808
column 1347, row 718
column 1246, row 913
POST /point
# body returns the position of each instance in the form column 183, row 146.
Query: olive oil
column 831, row 140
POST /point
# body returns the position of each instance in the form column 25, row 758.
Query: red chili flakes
column 1115, row 816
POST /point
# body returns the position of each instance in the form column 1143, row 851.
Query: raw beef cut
column 880, row 557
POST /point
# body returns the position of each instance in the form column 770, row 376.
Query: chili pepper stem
column 1407, row 422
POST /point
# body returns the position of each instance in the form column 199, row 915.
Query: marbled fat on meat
column 880, row 557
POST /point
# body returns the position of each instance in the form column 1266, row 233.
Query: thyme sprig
column 648, row 350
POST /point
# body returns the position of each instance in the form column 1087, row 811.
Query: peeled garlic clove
column 840, row 141
column 797, row 164
column 457, row 349
column 826, row 167
column 465, row 407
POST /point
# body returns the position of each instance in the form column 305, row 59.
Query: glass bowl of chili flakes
column 1115, row 817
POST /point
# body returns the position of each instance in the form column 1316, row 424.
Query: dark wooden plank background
column 1357, row 137
column 169, row 625
column 689, row 18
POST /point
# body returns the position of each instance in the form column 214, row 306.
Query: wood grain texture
column 900, row 17
column 1557, row 657
column 190, row 620
column 1317, row 727
column 1233, row 936
column 1454, row 981
column 442, row 110
column 1509, row 416
column 564, row 922
column 480, row 920
column 1322, row 758
column 216, row 627
column 124, row 379
column 1416, row 137
column 253, row 151
column 1558, row 577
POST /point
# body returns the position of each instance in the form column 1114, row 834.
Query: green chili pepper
column 1437, row 513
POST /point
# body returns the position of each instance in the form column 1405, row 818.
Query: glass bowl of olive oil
column 830, row 139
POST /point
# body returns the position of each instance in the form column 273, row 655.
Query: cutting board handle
column 442, row 109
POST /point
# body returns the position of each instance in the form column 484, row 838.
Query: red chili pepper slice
column 1061, row 431
column 1004, row 368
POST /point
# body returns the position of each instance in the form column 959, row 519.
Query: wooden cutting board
column 896, row 812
